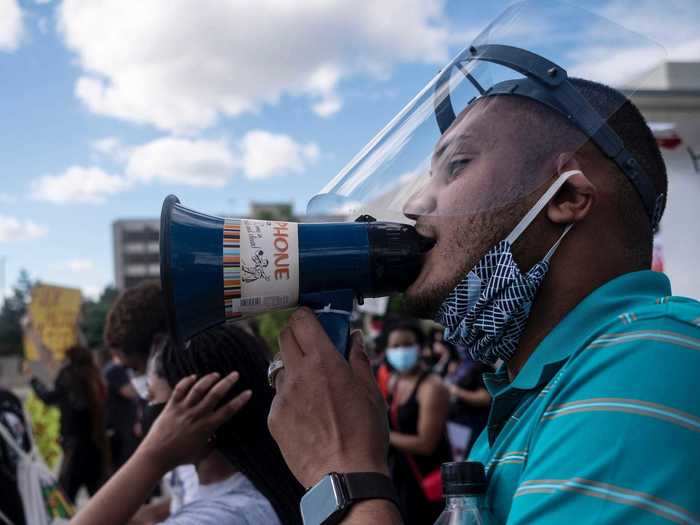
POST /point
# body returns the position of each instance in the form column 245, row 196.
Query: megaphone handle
column 337, row 326
column 333, row 310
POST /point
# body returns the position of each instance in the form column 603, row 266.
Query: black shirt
column 121, row 411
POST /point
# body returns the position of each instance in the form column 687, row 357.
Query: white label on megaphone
column 268, row 267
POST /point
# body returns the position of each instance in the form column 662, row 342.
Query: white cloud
column 11, row 28
column 267, row 154
column 672, row 29
column 176, row 160
column 92, row 291
column 76, row 265
column 205, row 163
column 13, row 229
column 179, row 65
column 112, row 148
column 78, row 184
column 107, row 145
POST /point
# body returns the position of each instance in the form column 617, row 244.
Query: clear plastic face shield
column 456, row 148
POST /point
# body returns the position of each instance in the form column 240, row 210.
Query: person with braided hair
column 244, row 440
column 216, row 419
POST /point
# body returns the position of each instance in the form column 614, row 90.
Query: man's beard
column 493, row 228
column 425, row 305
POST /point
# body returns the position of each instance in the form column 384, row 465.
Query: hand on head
column 182, row 433
column 328, row 414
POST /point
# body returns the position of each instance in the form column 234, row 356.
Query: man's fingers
column 232, row 407
column 201, row 387
column 290, row 350
column 217, row 393
column 359, row 362
column 309, row 333
column 183, row 386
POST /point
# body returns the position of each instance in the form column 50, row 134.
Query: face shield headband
column 548, row 83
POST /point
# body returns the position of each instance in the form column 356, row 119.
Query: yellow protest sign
column 54, row 312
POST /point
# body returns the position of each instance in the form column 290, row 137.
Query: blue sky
column 109, row 105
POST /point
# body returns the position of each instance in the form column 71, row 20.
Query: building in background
column 136, row 254
column 669, row 98
column 271, row 210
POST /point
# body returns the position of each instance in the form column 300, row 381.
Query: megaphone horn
column 215, row 269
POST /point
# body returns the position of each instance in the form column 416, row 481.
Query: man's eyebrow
column 458, row 138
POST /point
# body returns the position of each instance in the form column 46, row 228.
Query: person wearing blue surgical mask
column 418, row 406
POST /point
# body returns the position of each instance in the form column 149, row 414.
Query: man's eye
column 456, row 166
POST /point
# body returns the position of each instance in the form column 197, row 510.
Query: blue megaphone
column 214, row 270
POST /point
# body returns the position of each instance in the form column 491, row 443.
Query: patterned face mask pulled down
column 487, row 311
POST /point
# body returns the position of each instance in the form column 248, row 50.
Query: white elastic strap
column 556, row 244
column 539, row 205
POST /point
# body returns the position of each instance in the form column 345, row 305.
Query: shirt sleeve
column 231, row 510
column 618, row 441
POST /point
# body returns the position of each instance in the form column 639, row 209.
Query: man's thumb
column 359, row 362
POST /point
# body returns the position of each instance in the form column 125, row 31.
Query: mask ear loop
column 539, row 205
column 553, row 249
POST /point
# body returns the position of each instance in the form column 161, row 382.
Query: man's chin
column 422, row 303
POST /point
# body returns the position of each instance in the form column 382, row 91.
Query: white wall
column 680, row 226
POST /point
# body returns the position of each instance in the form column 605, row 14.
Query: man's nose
column 422, row 202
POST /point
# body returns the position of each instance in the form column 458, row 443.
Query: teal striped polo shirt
column 602, row 424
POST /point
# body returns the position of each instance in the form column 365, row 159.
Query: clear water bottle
column 463, row 484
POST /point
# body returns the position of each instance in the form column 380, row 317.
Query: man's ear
column 576, row 198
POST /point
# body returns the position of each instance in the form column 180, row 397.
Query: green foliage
column 46, row 427
column 94, row 314
column 395, row 305
column 270, row 325
column 11, row 313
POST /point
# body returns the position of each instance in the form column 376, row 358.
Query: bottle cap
column 463, row 477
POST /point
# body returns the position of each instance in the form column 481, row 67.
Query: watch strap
column 368, row 485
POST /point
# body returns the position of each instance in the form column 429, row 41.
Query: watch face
column 321, row 501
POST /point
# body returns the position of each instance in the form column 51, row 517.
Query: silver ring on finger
column 273, row 370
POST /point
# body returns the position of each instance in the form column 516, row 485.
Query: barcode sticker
column 251, row 304
column 276, row 300
column 251, row 301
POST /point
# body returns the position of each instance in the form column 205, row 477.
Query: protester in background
column 180, row 435
column 121, row 411
column 136, row 317
column 448, row 359
column 80, row 395
column 469, row 399
column 182, row 482
column 243, row 478
column 12, row 420
column 418, row 406
column 257, row 474
column 430, row 358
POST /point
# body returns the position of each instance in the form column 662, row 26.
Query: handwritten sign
column 54, row 313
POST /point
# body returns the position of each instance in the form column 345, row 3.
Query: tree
column 94, row 314
column 11, row 313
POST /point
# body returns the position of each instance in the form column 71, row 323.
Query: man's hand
column 181, row 433
column 328, row 414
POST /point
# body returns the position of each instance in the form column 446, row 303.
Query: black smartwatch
column 327, row 502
